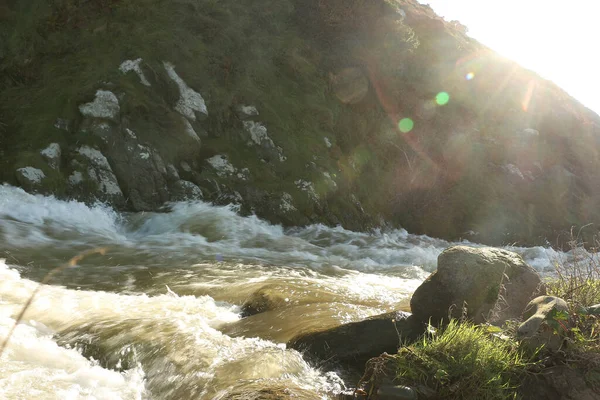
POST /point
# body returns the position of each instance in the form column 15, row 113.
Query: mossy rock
column 491, row 284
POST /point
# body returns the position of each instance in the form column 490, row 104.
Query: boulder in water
column 264, row 299
column 352, row 344
column 30, row 178
column 492, row 284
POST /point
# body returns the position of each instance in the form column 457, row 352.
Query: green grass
column 463, row 361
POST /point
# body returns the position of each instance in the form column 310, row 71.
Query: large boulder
column 546, row 323
column 492, row 284
column 140, row 170
column 351, row 345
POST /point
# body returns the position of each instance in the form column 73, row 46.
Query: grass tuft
column 464, row 361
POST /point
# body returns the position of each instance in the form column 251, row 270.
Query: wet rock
column 350, row 85
column 184, row 191
column 30, row 178
column 396, row 392
column 493, row 284
column 353, row 344
column 134, row 65
column 52, row 155
column 245, row 112
column 546, row 323
column 105, row 106
column 190, row 104
column 97, row 170
column 172, row 174
column 264, row 299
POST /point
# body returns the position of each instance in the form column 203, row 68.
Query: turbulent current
column 158, row 316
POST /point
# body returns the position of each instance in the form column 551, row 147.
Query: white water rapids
column 157, row 317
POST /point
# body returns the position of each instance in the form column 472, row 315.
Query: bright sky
column 560, row 40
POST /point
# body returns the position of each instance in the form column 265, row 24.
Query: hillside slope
column 348, row 112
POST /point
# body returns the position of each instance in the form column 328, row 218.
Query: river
column 158, row 316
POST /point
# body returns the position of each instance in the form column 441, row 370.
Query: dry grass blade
column 71, row 263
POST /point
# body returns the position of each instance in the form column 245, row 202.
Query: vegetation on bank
column 466, row 361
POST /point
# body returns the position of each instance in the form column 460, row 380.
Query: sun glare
column 555, row 39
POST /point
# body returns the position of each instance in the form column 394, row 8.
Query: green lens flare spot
column 405, row 125
column 442, row 98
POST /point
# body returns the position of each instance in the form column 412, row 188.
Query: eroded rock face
column 546, row 323
column 493, row 284
column 354, row 343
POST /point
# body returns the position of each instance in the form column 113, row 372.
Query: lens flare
column 469, row 76
column 442, row 98
column 406, row 125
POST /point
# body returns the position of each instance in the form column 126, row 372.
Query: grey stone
column 52, row 155
column 184, row 191
column 140, row 170
column 30, row 178
column 493, row 284
column 354, row 343
column 190, row 104
column 546, row 323
column 98, row 170
column 105, row 105
column 245, row 112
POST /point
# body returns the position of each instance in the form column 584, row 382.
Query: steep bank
column 339, row 112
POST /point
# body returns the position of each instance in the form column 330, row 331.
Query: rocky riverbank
column 347, row 113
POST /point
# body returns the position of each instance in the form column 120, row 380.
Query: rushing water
column 157, row 317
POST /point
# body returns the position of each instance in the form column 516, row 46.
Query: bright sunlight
column 556, row 39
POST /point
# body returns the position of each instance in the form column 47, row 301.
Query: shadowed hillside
column 351, row 112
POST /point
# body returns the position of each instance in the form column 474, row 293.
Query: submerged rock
column 264, row 299
column 493, row 284
column 354, row 343
column 546, row 323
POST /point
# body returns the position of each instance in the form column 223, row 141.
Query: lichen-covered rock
column 105, row 105
column 256, row 135
column 245, row 112
column 546, row 323
column 354, row 343
column 184, row 191
column 309, row 188
column 140, row 170
column 493, row 284
column 221, row 165
column 30, row 178
column 52, row 155
column 97, row 170
column 98, row 128
column 190, row 104
column 134, row 65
